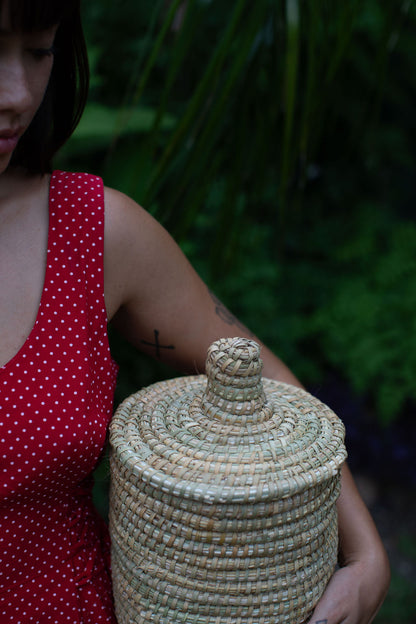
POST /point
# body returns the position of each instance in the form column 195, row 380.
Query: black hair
column 66, row 94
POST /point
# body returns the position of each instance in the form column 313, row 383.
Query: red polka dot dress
column 56, row 399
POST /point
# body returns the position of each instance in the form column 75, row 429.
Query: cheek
column 40, row 80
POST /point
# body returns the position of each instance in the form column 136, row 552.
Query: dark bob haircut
column 67, row 91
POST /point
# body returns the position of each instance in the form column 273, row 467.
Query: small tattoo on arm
column 321, row 622
column 156, row 344
column 225, row 315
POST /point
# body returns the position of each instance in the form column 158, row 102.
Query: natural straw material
column 222, row 506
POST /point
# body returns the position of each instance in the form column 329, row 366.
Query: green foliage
column 276, row 142
column 399, row 606
column 367, row 327
column 342, row 299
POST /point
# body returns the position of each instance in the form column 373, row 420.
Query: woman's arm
column 158, row 302
column 357, row 590
column 156, row 299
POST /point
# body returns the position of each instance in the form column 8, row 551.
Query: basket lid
column 228, row 436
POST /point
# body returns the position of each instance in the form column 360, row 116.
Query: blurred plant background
column 276, row 141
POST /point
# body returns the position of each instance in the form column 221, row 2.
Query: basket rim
column 136, row 465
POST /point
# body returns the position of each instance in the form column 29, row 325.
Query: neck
column 13, row 180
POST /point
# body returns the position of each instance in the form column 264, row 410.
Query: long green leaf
column 181, row 48
column 202, row 93
column 291, row 81
column 212, row 132
column 143, row 74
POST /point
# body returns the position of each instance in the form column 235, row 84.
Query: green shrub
column 275, row 140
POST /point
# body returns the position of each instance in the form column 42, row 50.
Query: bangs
column 35, row 15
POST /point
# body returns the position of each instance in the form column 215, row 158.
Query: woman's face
column 26, row 61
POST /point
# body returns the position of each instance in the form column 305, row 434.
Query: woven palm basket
column 223, row 492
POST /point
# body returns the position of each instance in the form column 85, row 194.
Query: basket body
column 222, row 503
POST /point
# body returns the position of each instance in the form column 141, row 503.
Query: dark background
column 276, row 142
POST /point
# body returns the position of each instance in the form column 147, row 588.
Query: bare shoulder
column 126, row 221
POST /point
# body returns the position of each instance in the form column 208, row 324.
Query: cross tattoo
column 156, row 344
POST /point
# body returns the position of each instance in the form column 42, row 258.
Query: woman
column 64, row 272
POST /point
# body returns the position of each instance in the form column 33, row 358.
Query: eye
column 41, row 53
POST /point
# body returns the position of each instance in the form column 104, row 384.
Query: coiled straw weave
column 223, row 491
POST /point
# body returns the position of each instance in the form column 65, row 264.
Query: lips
column 9, row 139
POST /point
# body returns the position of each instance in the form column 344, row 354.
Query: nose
column 15, row 91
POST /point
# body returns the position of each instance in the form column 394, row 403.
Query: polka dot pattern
column 56, row 398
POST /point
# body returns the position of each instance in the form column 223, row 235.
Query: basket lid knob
column 234, row 392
